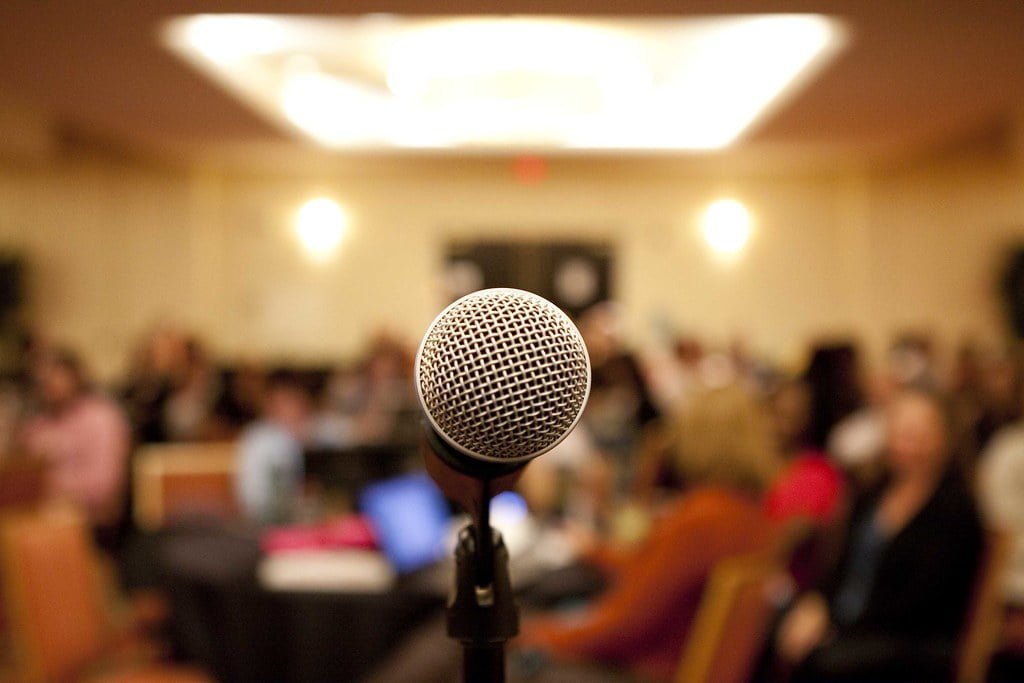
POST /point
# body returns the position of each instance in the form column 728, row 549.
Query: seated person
column 188, row 412
column 270, row 464
column 897, row 598
column 239, row 403
column 726, row 454
column 809, row 486
column 1001, row 491
column 639, row 622
column 809, row 489
column 83, row 436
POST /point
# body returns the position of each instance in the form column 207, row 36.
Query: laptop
column 411, row 519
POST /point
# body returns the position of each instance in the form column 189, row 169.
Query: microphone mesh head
column 503, row 375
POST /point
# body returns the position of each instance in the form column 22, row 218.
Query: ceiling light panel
column 510, row 83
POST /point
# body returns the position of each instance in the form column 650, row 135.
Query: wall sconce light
column 320, row 225
column 727, row 226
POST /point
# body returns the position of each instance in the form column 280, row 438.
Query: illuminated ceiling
column 510, row 83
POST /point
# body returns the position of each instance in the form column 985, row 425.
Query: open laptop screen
column 411, row 519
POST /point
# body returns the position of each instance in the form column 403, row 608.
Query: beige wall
column 115, row 247
column 939, row 236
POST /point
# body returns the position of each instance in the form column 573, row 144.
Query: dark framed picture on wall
column 574, row 275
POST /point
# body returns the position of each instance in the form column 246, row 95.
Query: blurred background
column 791, row 233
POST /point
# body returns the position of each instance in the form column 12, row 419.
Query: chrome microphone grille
column 503, row 375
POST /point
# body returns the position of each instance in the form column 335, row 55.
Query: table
column 224, row 620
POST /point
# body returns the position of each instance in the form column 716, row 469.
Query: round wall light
column 320, row 225
column 726, row 226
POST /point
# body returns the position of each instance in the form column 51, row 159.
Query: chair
column 732, row 621
column 983, row 627
column 22, row 486
column 22, row 482
column 60, row 627
column 176, row 481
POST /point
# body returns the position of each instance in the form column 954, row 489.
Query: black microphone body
column 479, row 469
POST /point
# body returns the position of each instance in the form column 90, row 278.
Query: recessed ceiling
column 913, row 75
column 501, row 83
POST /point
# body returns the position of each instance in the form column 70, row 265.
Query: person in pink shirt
column 808, row 494
column 81, row 435
column 808, row 486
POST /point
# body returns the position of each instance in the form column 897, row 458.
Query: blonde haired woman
column 640, row 622
column 725, row 438
column 724, row 447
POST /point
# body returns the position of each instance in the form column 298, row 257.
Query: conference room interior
column 789, row 232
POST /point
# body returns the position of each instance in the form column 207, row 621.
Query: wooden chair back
column 983, row 626
column 731, row 623
column 176, row 481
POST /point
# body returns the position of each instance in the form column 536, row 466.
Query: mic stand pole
column 482, row 613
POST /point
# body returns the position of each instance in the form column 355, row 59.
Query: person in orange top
column 726, row 453
column 641, row 621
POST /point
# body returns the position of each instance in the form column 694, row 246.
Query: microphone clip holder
column 482, row 614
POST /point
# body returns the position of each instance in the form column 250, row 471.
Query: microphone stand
column 482, row 613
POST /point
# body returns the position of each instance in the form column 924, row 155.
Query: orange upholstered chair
column 60, row 626
column 22, row 485
column 22, row 482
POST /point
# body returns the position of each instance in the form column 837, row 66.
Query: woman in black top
column 894, row 605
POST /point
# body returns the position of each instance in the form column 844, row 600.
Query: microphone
column 503, row 376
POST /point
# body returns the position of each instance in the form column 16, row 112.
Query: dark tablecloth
column 226, row 622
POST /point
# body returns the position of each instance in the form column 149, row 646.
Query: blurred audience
column 912, row 363
column 723, row 444
column 671, row 370
column 620, row 405
column 896, row 601
column 806, row 498
column 270, row 464
column 692, row 455
column 371, row 404
column 1001, row 491
column 834, row 381
column 188, row 413
column 724, row 449
column 966, row 396
column 574, row 483
column 82, row 436
column 240, row 402
column 857, row 442
column 809, row 486
column 999, row 400
column 986, row 395
column 18, row 391
column 157, row 367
